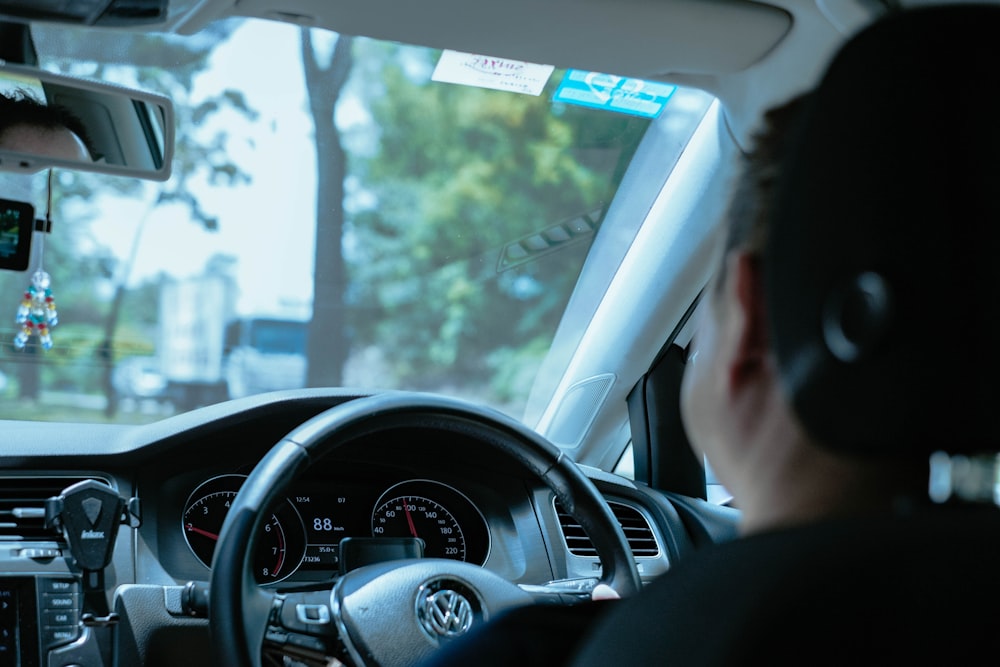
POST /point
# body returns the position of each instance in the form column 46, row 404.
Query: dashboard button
column 306, row 642
column 61, row 617
column 306, row 612
column 59, row 601
column 60, row 586
column 59, row 635
column 313, row 614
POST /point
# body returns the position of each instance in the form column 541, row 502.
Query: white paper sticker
column 469, row 69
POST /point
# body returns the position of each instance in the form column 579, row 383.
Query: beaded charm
column 37, row 313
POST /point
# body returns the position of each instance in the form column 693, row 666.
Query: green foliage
column 513, row 369
column 424, row 258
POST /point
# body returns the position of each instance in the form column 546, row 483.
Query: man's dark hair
column 21, row 108
column 883, row 240
column 752, row 202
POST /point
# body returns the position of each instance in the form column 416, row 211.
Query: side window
column 717, row 493
column 626, row 464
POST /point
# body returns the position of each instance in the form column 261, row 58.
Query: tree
column 427, row 282
column 328, row 342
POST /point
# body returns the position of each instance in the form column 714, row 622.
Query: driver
column 865, row 222
column 28, row 126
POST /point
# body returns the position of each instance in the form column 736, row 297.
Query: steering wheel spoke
column 301, row 628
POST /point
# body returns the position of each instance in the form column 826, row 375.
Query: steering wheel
column 397, row 612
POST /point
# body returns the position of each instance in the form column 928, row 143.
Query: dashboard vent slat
column 640, row 536
column 22, row 506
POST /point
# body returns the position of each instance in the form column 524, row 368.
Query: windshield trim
column 675, row 245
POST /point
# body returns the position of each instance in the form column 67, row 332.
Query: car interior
column 375, row 486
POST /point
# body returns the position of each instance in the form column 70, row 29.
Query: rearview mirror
column 119, row 131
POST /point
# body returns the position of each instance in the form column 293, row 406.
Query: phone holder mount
column 88, row 514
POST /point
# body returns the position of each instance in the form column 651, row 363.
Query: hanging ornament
column 37, row 313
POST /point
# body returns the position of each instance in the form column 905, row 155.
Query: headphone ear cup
column 857, row 316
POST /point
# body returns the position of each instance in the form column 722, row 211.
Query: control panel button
column 59, row 635
column 61, row 617
column 59, row 601
column 59, row 586
column 312, row 614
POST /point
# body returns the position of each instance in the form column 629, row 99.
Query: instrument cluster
column 301, row 539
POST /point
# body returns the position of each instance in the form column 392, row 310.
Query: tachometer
column 280, row 545
column 447, row 522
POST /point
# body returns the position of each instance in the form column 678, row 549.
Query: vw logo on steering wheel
column 444, row 614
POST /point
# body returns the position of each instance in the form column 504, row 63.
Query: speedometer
column 417, row 516
column 446, row 520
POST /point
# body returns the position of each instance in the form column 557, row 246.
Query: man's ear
column 748, row 296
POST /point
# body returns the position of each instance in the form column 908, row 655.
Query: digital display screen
column 329, row 518
column 17, row 221
column 18, row 624
column 9, row 630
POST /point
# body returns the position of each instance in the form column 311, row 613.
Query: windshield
column 392, row 216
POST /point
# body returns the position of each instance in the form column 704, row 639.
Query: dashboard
column 437, row 494
column 399, row 492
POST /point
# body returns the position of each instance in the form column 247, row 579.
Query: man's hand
column 603, row 592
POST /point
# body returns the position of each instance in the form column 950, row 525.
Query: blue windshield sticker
column 614, row 93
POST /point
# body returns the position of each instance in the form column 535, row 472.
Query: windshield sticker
column 469, row 69
column 614, row 93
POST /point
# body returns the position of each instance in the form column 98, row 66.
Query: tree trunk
column 328, row 345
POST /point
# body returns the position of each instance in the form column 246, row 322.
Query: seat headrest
column 882, row 267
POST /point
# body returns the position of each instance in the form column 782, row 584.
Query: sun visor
column 680, row 36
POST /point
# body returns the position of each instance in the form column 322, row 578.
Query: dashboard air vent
column 637, row 531
column 22, row 506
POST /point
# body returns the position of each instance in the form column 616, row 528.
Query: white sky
column 275, row 252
